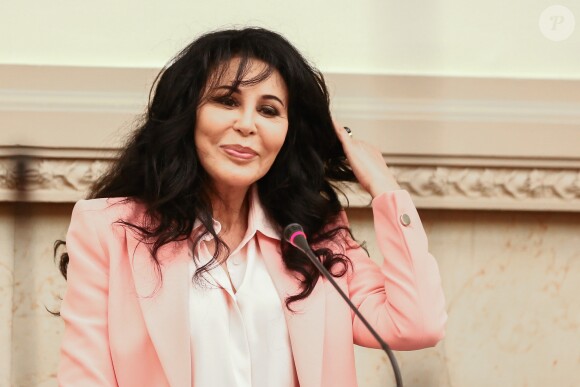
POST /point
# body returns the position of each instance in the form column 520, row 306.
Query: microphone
column 294, row 234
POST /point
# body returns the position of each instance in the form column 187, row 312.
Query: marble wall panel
column 6, row 288
column 37, row 287
column 511, row 281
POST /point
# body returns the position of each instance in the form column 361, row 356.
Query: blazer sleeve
column 402, row 298
column 85, row 359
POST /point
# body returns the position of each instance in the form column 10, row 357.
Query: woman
column 177, row 273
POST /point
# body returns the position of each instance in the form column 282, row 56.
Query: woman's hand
column 367, row 163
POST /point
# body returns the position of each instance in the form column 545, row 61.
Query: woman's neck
column 230, row 208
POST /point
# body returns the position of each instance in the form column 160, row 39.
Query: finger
column 340, row 131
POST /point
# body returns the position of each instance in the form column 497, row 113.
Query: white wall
column 445, row 37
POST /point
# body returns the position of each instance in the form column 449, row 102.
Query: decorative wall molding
column 82, row 107
column 485, row 188
column 34, row 178
column 48, row 180
column 71, row 101
column 381, row 108
column 476, row 110
column 452, row 142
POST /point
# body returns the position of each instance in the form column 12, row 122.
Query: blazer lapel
column 164, row 303
column 306, row 326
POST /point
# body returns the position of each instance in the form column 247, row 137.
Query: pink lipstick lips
column 239, row 152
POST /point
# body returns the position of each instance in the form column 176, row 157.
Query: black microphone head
column 290, row 231
column 294, row 234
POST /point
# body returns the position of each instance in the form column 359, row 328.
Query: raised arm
column 402, row 298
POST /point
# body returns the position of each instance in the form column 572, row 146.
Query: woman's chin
column 234, row 183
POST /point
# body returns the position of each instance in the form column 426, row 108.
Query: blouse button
column 405, row 220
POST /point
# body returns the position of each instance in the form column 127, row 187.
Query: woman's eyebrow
column 237, row 90
column 269, row 96
column 229, row 88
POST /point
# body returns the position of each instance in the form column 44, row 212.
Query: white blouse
column 239, row 338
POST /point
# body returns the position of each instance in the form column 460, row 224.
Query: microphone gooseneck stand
column 294, row 234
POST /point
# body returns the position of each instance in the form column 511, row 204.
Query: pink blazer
column 118, row 334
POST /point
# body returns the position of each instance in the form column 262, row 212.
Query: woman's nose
column 245, row 123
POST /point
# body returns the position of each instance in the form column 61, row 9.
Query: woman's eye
column 269, row 111
column 226, row 100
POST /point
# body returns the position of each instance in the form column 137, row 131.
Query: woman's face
column 238, row 136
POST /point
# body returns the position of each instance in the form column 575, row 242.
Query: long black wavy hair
column 160, row 168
